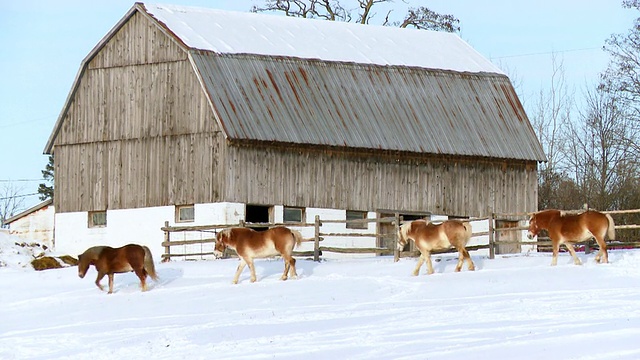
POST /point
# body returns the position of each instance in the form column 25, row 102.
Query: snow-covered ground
column 513, row 307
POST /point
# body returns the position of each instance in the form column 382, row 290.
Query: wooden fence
column 204, row 237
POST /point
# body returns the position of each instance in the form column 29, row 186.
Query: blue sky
column 45, row 41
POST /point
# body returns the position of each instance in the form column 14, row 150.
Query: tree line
column 592, row 147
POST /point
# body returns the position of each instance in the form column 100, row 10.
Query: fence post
column 492, row 241
column 587, row 247
column 316, row 240
column 167, row 247
column 396, row 252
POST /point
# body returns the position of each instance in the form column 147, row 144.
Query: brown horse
column 429, row 237
column 568, row 229
column 108, row 260
column 250, row 244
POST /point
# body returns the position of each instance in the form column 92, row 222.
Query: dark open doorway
column 257, row 214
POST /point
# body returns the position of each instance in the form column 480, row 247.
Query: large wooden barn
column 195, row 115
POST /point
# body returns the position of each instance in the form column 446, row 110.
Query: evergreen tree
column 45, row 191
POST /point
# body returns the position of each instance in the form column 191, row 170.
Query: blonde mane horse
column 568, row 229
column 250, row 244
column 429, row 237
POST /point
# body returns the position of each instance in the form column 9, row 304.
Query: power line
column 18, row 196
column 26, row 121
column 544, row 53
column 20, row 180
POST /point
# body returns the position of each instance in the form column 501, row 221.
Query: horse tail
column 297, row 237
column 611, row 230
column 467, row 230
column 149, row 266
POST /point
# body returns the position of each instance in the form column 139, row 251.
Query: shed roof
column 29, row 211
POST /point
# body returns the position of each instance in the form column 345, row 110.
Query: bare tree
column 597, row 150
column 10, row 201
column 551, row 115
column 362, row 11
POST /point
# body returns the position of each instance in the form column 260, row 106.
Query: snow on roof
column 229, row 32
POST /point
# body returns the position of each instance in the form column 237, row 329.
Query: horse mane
column 92, row 253
column 225, row 233
column 404, row 230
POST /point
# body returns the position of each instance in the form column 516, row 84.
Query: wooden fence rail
column 492, row 244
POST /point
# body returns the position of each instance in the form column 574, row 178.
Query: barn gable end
column 135, row 119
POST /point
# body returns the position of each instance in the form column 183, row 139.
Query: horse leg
column 429, row 264
column 460, row 260
column 576, row 260
column 416, row 271
column 239, row 270
column 287, row 268
column 98, row 279
column 110, row 283
column 472, row 266
column 252, row 269
column 142, row 275
column 292, row 271
column 556, row 248
column 603, row 256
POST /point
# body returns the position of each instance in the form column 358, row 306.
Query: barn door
column 511, row 248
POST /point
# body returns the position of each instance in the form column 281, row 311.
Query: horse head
column 221, row 245
column 534, row 228
column 403, row 239
column 83, row 266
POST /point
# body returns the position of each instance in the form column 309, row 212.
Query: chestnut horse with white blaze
column 108, row 260
column 429, row 237
column 568, row 229
column 250, row 244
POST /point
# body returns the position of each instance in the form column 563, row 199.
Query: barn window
column 185, row 213
column 293, row 214
column 356, row 215
column 97, row 219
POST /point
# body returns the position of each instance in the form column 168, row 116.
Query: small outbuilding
column 35, row 223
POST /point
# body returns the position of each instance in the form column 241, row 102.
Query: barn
column 201, row 116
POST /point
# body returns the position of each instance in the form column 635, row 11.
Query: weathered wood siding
column 136, row 173
column 463, row 187
column 139, row 131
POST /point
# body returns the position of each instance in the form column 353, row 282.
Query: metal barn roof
column 314, row 82
column 227, row 32
column 366, row 106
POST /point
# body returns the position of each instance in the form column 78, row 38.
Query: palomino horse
column 429, row 237
column 568, row 229
column 250, row 244
column 108, row 260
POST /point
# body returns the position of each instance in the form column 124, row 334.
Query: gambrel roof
column 286, row 80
